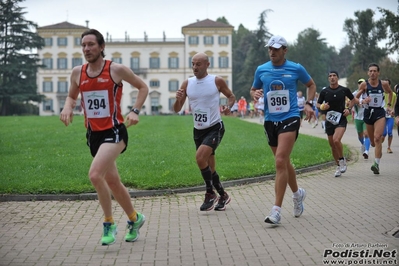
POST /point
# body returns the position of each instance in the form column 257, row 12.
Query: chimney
column 87, row 24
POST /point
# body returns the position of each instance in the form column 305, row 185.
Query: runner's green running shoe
column 134, row 227
column 109, row 234
column 375, row 169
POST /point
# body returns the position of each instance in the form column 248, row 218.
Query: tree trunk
column 5, row 106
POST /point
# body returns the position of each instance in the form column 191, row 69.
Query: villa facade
column 162, row 63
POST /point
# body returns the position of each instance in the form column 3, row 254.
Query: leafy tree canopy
column 364, row 35
column 391, row 22
column 19, row 64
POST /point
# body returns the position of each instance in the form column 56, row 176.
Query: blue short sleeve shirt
column 279, row 84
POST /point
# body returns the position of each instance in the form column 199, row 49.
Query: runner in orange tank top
column 100, row 84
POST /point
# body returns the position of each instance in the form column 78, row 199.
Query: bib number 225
column 201, row 118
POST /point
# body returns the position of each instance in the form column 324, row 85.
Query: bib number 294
column 95, row 104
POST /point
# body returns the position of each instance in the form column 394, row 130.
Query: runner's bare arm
column 310, row 93
column 66, row 115
column 180, row 97
column 224, row 89
column 121, row 72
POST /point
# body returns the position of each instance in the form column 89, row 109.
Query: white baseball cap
column 276, row 42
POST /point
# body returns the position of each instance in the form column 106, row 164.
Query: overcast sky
column 287, row 18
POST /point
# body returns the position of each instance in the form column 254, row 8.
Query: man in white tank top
column 203, row 91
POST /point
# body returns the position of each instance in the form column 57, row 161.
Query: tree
column 344, row 59
column 364, row 34
column 389, row 70
column 392, row 24
column 223, row 20
column 253, row 54
column 357, row 73
column 242, row 41
column 311, row 51
column 19, row 64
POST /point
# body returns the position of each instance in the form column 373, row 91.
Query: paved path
column 358, row 209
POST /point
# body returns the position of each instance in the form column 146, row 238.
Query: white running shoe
column 273, row 218
column 342, row 165
column 338, row 172
column 298, row 203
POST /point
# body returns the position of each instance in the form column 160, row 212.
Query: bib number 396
column 278, row 101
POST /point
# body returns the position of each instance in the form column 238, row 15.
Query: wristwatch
column 309, row 103
column 136, row 111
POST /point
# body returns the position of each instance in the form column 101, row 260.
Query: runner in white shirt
column 203, row 91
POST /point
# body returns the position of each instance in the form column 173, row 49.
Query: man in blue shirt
column 276, row 80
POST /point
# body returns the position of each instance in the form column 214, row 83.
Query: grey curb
column 150, row 193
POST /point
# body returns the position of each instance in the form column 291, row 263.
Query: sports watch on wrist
column 136, row 111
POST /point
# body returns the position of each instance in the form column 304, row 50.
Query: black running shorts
column 112, row 135
column 273, row 129
column 211, row 136
column 373, row 114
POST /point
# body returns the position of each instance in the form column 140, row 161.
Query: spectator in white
column 357, row 117
column 301, row 104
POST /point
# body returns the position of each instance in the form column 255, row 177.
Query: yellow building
column 162, row 63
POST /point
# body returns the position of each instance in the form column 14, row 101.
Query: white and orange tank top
column 101, row 98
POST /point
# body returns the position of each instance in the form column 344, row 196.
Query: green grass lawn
column 39, row 155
